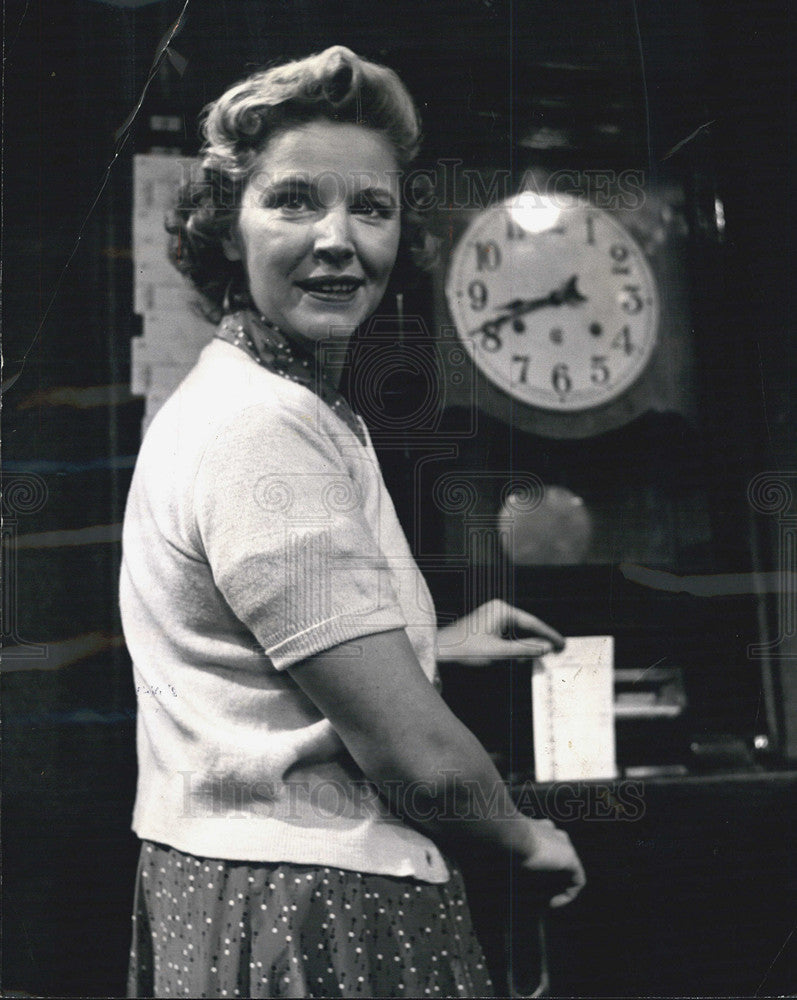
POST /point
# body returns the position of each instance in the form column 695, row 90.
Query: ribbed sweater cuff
column 285, row 652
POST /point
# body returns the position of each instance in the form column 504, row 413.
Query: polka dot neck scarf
column 269, row 347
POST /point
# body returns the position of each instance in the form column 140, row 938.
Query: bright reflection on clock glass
column 535, row 213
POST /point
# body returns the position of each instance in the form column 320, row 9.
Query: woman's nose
column 333, row 238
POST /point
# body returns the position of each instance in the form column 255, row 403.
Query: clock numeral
column 560, row 379
column 623, row 341
column 631, row 302
column 488, row 256
column 478, row 295
column 523, row 372
column 514, row 231
column 619, row 255
column 590, row 220
column 490, row 340
column 599, row 374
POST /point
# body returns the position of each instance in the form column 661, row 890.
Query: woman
column 297, row 765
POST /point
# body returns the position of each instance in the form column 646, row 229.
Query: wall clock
column 561, row 306
column 555, row 301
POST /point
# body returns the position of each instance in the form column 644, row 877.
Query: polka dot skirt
column 208, row 928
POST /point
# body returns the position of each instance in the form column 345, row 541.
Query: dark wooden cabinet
column 691, row 893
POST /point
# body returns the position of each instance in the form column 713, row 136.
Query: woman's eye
column 290, row 202
column 295, row 203
column 372, row 208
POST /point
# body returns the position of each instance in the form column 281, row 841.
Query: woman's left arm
column 496, row 631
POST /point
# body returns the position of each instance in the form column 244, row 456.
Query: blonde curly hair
column 335, row 85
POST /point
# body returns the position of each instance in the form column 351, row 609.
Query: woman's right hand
column 551, row 867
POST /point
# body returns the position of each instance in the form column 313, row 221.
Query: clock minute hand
column 518, row 307
column 568, row 294
column 510, row 311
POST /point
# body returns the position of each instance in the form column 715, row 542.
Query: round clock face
column 554, row 300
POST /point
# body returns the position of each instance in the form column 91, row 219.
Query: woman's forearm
column 408, row 742
column 446, row 782
column 433, row 769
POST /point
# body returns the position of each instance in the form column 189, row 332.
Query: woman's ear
column 230, row 247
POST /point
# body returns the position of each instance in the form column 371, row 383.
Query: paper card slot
column 159, row 297
column 649, row 693
column 174, row 338
column 156, row 178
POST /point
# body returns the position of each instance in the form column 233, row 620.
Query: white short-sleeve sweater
column 258, row 531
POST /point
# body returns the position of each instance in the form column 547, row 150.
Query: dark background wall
column 74, row 71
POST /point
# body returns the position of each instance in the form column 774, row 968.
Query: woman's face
column 318, row 228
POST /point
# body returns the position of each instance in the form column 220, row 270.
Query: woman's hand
column 552, row 868
column 431, row 768
column 496, row 631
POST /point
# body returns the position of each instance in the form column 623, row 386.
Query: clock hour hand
column 568, row 294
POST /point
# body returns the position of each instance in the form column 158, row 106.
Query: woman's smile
column 318, row 228
column 331, row 288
